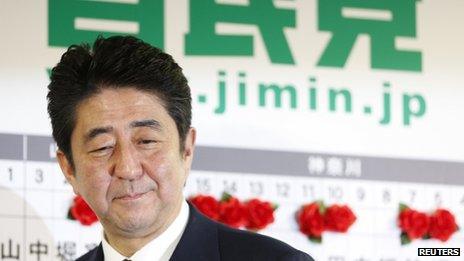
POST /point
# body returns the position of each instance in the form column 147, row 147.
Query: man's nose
column 127, row 163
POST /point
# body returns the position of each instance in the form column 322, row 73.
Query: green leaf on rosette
column 405, row 239
column 322, row 207
column 70, row 216
column 317, row 240
column 426, row 236
column 274, row 206
column 225, row 197
column 403, row 207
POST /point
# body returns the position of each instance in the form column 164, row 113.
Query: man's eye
column 101, row 149
column 147, row 141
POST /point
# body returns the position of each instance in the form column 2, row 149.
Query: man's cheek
column 95, row 181
column 156, row 168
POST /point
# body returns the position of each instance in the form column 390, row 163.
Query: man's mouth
column 132, row 196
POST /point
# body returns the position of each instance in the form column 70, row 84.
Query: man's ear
column 68, row 170
column 189, row 146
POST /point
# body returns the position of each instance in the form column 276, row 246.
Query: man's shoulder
column 237, row 244
column 225, row 243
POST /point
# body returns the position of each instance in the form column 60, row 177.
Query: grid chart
column 35, row 198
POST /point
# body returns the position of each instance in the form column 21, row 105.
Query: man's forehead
column 126, row 108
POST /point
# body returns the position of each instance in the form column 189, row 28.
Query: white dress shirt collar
column 159, row 249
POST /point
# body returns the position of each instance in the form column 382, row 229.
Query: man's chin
column 131, row 226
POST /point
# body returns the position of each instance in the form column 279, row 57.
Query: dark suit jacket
column 206, row 240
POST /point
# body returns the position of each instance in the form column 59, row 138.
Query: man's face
column 128, row 163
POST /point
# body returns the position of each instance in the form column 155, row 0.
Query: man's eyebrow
column 95, row 132
column 154, row 124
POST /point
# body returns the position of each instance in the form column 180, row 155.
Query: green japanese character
column 401, row 22
column 63, row 14
column 271, row 21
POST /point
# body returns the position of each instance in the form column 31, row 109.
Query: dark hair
column 114, row 62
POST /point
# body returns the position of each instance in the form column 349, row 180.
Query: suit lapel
column 199, row 240
column 95, row 254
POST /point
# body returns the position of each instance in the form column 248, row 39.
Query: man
column 121, row 114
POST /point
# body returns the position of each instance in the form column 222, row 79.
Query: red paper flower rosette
column 441, row 224
column 254, row 214
column 310, row 219
column 259, row 214
column 207, row 205
column 81, row 212
column 315, row 218
column 231, row 211
column 339, row 218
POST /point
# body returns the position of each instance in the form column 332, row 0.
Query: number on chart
column 412, row 196
column 336, row 193
column 256, row 188
column 229, row 186
column 308, row 191
column 438, row 199
column 361, row 194
column 386, row 196
column 203, row 185
column 10, row 174
column 282, row 189
column 39, row 178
